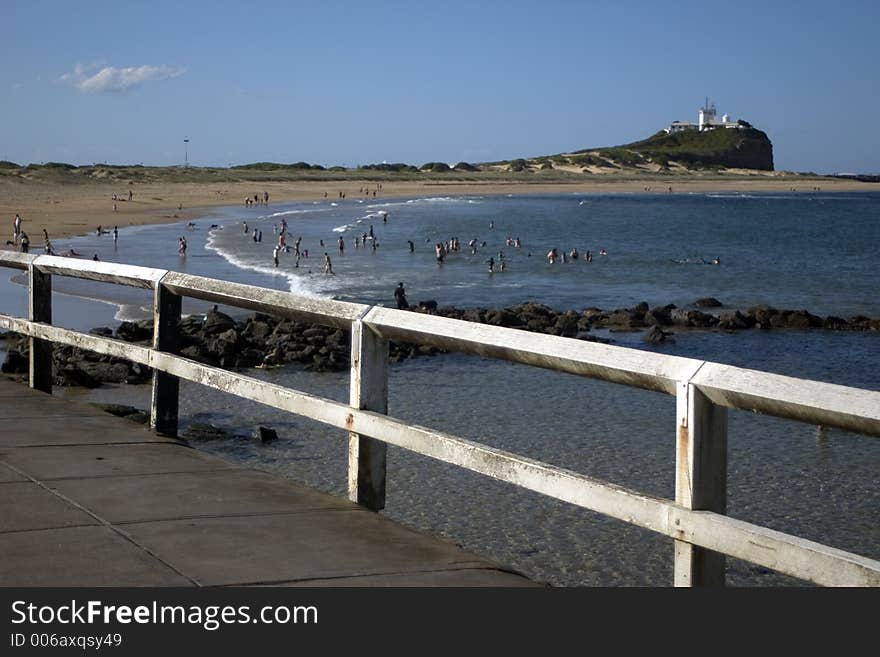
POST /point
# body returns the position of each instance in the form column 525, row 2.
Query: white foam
column 416, row 201
column 295, row 282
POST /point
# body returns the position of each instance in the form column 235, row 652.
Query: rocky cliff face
column 751, row 150
column 742, row 148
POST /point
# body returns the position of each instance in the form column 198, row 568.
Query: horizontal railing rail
column 696, row 519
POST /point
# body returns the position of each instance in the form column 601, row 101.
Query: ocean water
column 814, row 251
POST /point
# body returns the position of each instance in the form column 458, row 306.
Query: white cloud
column 111, row 78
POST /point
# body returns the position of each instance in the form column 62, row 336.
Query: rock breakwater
column 261, row 340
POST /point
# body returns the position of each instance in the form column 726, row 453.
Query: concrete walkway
column 88, row 499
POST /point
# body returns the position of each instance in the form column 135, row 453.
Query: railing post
column 369, row 391
column 40, row 310
column 166, row 316
column 700, row 479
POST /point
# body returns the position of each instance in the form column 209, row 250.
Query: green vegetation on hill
column 727, row 147
column 274, row 166
column 384, row 166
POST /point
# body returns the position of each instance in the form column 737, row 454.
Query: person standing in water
column 328, row 266
column 400, row 297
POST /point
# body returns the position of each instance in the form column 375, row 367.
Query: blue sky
column 351, row 83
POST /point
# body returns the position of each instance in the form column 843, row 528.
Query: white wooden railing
column 703, row 391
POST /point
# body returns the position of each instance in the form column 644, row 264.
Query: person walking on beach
column 24, row 241
column 181, row 246
column 400, row 297
column 491, row 262
column 275, row 254
column 116, row 233
column 328, row 266
column 16, row 228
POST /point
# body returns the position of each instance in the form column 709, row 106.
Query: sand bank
column 65, row 210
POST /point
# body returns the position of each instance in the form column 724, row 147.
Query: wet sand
column 65, row 209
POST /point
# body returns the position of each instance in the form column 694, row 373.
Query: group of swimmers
column 573, row 255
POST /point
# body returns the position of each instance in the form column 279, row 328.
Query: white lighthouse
column 707, row 116
column 707, row 121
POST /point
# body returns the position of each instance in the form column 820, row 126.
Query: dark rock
column 537, row 325
column 202, row 431
column 74, row 376
column 265, row 434
column 503, row 317
column 533, row 308
column 222, row 347
column 257, row 331
column 640, row 308
column 15, row 363
column 762, row 314
column 592, row 317
column 735, row 320
column 835, row 323
column 191, row 325
column 567, row 324
column 134, row 332
column 429, row 306
column 128, row 412
column 138, row 373
column 656, row 335
column 217, row 322
column 249, row 358
column 475, row 315
column 106, row 372
column 658, row 317
column 695, row 318
column 627, row 318
column 593, row 338
column 708, row 302
column 285, row 327
column 103, row 331
column 795, row 319
column 336, row 339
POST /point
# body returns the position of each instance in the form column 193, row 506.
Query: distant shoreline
column 67, row 209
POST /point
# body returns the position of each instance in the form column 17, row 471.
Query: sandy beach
column 65, row 210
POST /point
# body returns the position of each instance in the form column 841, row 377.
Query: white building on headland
column 707, row 121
